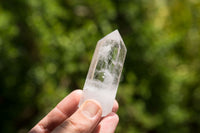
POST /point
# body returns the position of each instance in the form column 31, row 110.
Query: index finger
column 60, row 113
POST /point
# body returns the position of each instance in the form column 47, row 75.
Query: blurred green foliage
column 46, row 47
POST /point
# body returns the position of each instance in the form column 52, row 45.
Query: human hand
column 66, row 117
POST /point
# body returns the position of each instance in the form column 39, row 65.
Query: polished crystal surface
column 105, row 70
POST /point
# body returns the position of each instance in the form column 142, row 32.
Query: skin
column 66, row 117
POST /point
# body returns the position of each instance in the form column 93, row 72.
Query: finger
column 115, row 106
column 59, row 114
column 108, row 124
column 84, row 120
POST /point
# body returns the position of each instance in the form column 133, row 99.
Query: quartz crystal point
column 105, row 70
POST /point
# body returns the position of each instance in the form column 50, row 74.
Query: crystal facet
column 105, row 70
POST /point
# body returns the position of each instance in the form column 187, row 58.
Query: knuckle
column 78, row 126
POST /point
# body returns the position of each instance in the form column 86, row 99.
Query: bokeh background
column 46, row 47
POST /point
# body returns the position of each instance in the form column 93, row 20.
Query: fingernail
column 90, row 108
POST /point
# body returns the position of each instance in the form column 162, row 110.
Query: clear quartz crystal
column 105, row 70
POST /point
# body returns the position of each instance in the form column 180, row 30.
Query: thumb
column 84, row 120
